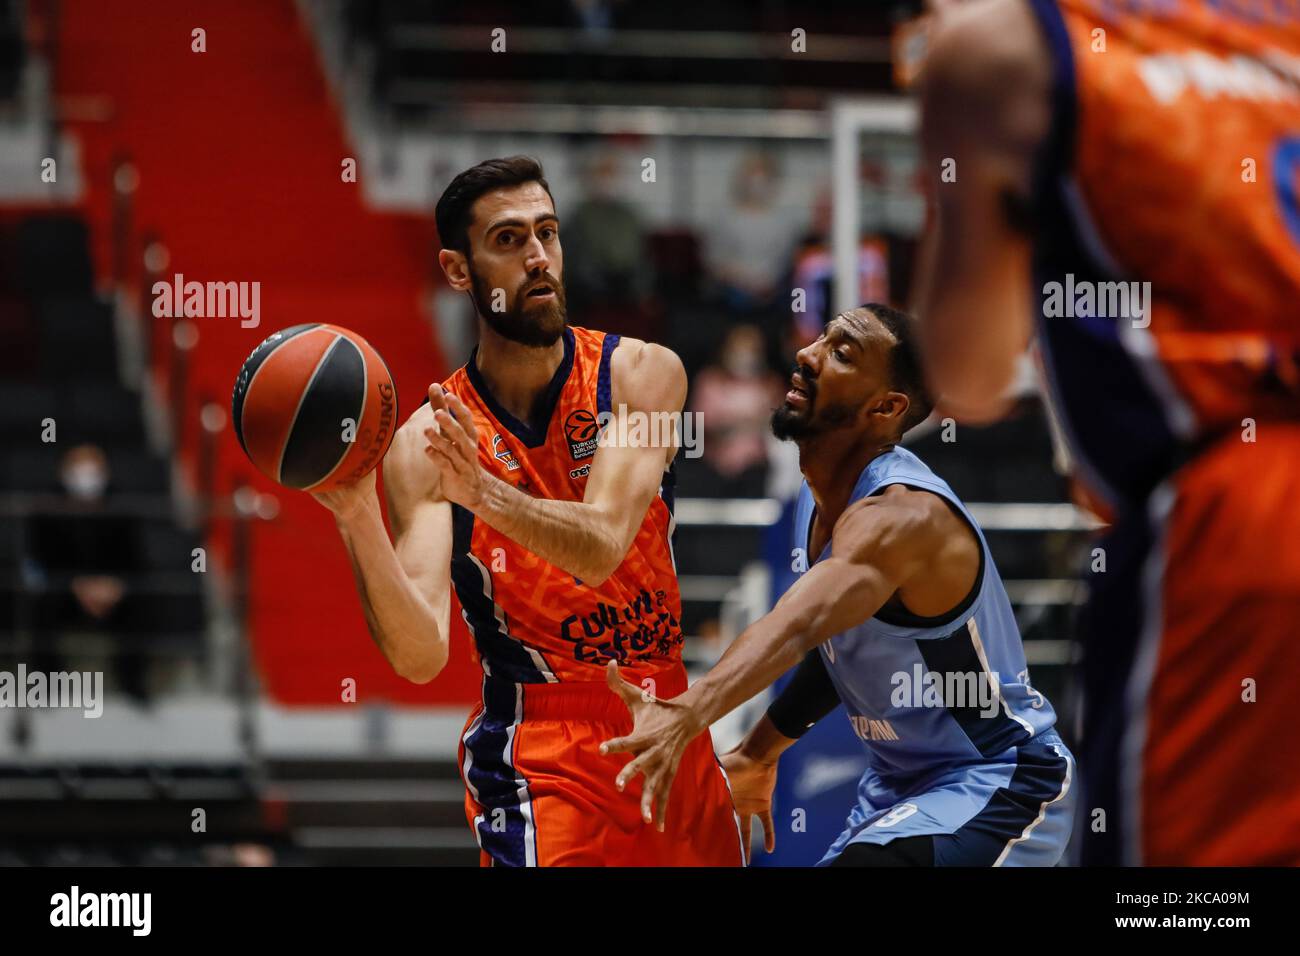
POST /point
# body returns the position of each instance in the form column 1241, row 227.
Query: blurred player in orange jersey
column 1094, row 146
column 558, row 546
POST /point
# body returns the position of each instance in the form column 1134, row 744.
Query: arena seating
column 72, row 379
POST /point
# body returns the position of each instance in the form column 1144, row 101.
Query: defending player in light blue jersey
column 902, row 617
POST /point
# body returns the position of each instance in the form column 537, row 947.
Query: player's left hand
column 661, row 731
column 453, row 446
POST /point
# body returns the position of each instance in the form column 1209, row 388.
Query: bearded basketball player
column 556, row 542
column 897, row 579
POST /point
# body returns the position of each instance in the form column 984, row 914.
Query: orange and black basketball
column 314, row 407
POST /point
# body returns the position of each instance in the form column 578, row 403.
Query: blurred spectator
column 814, row 273
column 734, row 399
column 748, row 250
column 606, row 263
column 83, row 554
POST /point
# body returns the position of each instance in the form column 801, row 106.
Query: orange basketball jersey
column 533, row 622
column 1174, row 160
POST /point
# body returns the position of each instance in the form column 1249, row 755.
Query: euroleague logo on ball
column 583, row 432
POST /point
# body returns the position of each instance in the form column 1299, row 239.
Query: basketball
column 314, row 407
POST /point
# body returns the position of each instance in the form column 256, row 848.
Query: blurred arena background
column 722, row 188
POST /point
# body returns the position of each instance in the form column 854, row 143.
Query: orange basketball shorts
column 1194, row 656
column 539, row 792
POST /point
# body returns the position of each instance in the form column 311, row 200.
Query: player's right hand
column 752, row 782
column 452, row 445
column 350, row 500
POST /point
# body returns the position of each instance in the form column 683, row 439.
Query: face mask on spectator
column 85, row 481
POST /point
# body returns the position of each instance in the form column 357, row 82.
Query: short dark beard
column 538, row 328
column 790, row 425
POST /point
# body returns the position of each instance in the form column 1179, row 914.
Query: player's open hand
column 661, row 731
column 453, row 447
column 752, row 782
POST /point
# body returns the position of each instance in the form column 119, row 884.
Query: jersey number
column 896, row 815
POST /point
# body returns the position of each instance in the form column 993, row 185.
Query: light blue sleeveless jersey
column 960, row 745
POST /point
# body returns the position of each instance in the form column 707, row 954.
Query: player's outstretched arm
column 985, row 110
column 877, row 546
column 404, row 585
column 588, row 538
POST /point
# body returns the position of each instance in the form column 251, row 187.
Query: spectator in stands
column 748, row 251
column 814, row 274
column 607, row 265
column 734, row 398
column 84, row 553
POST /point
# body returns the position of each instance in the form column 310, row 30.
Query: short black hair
column 905, row 372
column 453, row 212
